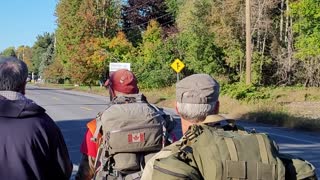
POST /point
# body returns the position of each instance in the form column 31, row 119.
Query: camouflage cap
column 197, row 89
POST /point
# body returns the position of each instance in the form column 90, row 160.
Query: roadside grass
column 292, row 107
column 283, row 119
column 296, row 94
column 275, row 111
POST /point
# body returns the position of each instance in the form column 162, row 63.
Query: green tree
column 68, row 33
column 196, row 42
column 152, row 65
column 10, row 51
column 53, row 72
column 224, row 18
column 84, row 27
column 211, row 36
column 306, row 26
column 136, row 15
column 25, row 53
column 47, row 58
column 173, row 6
column 39, row 48
column 120, row 49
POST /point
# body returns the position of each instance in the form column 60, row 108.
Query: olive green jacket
column 148, row 169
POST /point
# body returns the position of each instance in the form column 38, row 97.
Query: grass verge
column 287, row 107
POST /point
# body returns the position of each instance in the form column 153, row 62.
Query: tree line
column 207, row 35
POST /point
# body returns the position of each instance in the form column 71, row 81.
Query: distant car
column 28, row 79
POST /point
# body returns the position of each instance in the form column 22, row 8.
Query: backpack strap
column 102, row 164
column 95, row 136
column 97, row 164
column 265, row 169
column 263, row 149
column 98, row 127
column 134, row 176
column 232, row 149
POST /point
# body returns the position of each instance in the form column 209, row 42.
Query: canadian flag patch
column 136, row 137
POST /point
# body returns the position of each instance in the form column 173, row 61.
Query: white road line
column 88, row 109
column 33, row 93
column 288, row 137
column 266, row 128
column 55, row 98
column 290, row 146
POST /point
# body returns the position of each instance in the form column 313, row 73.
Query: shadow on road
column 44, row 89
column 73, row 133
column 86, row 104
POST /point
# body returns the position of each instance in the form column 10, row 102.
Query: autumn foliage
column 208, row 36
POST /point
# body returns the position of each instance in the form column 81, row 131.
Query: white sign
column 116, row 66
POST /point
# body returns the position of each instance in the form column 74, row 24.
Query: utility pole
column 248, row 43
column 23, row 53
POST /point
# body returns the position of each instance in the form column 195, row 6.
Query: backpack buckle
column 115, row 173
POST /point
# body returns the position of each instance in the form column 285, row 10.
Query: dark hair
column 13, row 74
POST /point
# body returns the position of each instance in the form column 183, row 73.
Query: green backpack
column 133, row 131
column 207, row 152
column 298, row 168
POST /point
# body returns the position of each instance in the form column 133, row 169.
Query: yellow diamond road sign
column 177, row 65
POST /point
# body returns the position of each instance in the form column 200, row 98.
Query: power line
column 172, row 20
column 138, row 25
column 138, row 6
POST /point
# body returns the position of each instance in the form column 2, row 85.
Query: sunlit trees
column 54, row 73
column 84, row 27
column 196, row 42
column 136, row 15
column 306, row 27
column 41, row 53
column 152, row 64
column 10, row 51
column 25, row 53
column 208, row 36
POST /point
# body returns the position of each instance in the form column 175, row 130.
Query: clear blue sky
column 21, row 21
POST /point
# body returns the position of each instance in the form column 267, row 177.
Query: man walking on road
column 32, row 146
column 196, row 101
column 121, row 85
column 121, row 82
column 211, row 150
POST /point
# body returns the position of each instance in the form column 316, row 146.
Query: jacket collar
column 12, row 95
column 213, row 119
column 18, row 108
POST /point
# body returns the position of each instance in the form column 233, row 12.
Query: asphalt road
column 72, row 110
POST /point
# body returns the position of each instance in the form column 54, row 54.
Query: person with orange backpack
column 123, row 89
column 121, row 82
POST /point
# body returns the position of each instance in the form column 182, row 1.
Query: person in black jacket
column 31, row 144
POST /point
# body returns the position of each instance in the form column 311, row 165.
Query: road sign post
column 177, row 65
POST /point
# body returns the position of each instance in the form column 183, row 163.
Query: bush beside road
column 287, row 107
